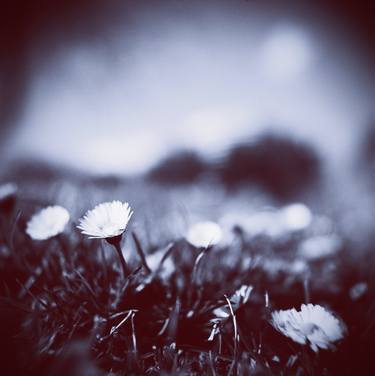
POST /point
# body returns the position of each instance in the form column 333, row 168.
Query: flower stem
column 306, row 290
column 125, row 268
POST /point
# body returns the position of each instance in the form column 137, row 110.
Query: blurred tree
column 181, row 167
column 280, row 165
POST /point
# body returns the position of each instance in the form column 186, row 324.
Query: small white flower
column 312, row 325
column 106, row 220
column 318, row 247
column 7, row 190
column 296, row 217
column 47, row 223
column 204, row 234
column 298, row 267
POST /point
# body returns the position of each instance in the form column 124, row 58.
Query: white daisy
column 47, row 223
column 204, row 234
column 106, row 220
column 312, row 325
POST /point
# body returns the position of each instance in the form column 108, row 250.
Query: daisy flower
column 47, row 223
column 106, row 220
column 312, row 325
column 204, row 234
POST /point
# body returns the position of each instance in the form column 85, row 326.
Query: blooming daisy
column 312, row 325
column 47, row 223
column 106, row 220
column 204, row 234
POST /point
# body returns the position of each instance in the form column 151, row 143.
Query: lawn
column 68, row 308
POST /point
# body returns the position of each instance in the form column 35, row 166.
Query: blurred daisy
column 7, row 190
column 47, row 223
column 204, row 234
column 312, row 325
column 239, row 298
column 318, row 247
column 265, row 222
column 8, row 196
column 296, row 217
column 358, row 290
column 106, row 220
column 274, row 266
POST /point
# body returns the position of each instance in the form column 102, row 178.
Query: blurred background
column 270, row 99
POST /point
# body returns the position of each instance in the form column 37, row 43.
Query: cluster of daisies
column 106, row 220
column 313, row 325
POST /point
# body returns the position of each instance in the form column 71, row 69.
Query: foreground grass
column 67, row 309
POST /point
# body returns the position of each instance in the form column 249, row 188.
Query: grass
column 67, row 309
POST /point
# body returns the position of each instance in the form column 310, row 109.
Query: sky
column 197, row 77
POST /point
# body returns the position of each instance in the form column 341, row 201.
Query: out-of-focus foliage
column 282, row 166
column 179, row 168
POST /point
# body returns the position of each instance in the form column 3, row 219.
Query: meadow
column 184, row 308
